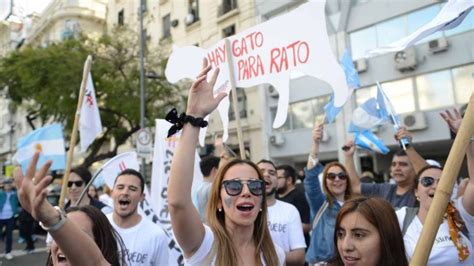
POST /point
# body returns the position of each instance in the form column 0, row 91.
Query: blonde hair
column 223, row 247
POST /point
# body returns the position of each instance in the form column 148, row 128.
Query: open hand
column 32, row 191
column 201, row 100
column 452, row 119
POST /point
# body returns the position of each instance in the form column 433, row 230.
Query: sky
column 25, row 6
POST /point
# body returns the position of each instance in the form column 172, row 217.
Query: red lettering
column 241, row 67
column 251, row 40
column 292, row 47
column 211, row 58
column 250, row 67
column 274, row 54
column 236, row 51
column 303, row 61
column 258, row 39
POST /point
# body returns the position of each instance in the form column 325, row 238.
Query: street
column 38, row 257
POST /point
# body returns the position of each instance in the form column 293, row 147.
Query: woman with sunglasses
column 236, row 232
column 77, row 182
column 454, row 242
column 325, row 203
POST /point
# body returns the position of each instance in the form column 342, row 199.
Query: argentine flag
column 49, row 141
column 367, row 140
column 367, row 116
column 353, row 82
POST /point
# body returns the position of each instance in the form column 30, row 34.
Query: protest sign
column 268, row 53
column 162, row 157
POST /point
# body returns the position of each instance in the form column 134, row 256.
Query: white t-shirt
column 146, row 242
column 444, row 252
column 285, row 226
column 200, row 257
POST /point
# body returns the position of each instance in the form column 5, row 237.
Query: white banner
column 162, row 156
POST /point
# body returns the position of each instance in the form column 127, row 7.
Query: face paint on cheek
column 228, row 201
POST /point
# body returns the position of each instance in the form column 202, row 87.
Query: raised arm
column 312, row 186
column 349, row 150
column 415, row 158
column 187, row 226
column 468, row 199
column 32, row 191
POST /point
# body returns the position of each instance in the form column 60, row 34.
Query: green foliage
column 46, row 81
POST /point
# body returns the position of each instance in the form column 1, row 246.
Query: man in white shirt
column 284, row 221
column 145, row 242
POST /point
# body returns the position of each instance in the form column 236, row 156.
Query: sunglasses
column 427, row 181
column 341, row 175
column 235, row 187
column 77, row 183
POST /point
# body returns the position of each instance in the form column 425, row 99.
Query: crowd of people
column 252, row 213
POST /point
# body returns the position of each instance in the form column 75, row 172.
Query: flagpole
column 403, row 141
column 445, row 187
column 72, row 143
column 234, row 98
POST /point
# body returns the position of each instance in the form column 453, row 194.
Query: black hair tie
column 178, row 121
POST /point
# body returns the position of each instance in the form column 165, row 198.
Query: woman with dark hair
column 367, row 233
column 236, row 214
column 324, row 203
column 92, row 192
column 94, row 223
column 76, row 184
column 83, row 237
column 455, row 237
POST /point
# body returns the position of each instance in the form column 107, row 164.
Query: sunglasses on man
column 76, row 183
column 235, row 187
column 341, row 176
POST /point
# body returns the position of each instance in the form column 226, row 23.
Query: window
column 193, row 12
column 418, row 19
column 121, row 18
column 390, row 31
column 386, row 32
column 70, row 30
column 226, row 6
column 363, row 94
column 435, row 90
column 463, row 80
column 303, row 114
column 229, row 31
column 400, row 93
column 241, row 104
column 362, row 41
column 467, row 24
column 166, row 26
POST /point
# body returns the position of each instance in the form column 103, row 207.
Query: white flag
column 450, row 16
column 89, row 122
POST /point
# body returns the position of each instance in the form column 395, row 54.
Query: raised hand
column 317, row 133
column 452, row 119
column 349, row 148
column 201, row 100
column 32, row 191
column 403, row 132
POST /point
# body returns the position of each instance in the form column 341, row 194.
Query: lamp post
column 142, row 78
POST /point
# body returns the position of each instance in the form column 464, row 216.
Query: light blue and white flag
column 367, row 140
column 49, row 140
column 450, row 16
column 353, row 82
column 367, row 116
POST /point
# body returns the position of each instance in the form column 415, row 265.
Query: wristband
column 58, row 225
column 178, row 121
column 312, row 160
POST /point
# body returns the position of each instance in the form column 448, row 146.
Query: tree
column 46, row 81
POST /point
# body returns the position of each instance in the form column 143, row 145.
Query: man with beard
column 284, row 220
column 145, row 242
column 288, row 192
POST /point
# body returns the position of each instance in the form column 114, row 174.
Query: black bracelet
column 178, row 121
